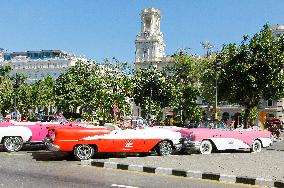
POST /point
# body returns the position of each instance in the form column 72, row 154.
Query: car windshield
column 213, row 125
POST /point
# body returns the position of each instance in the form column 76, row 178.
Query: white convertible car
column 13, row 137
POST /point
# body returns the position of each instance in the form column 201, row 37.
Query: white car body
column 16, row 131
column 145, row 133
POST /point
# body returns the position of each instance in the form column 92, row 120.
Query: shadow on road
column 51, row 156
column 64, row 156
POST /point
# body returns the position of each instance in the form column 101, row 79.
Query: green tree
column 117, row 81
column 78, row 87
column 184, row 77
column 151, row 90
column 93, row 88
column 24, row 101
column 207, row 81
column 43, row 93
column 252, row 70
column 4, row 70
column 6, row 94
column 6, row 89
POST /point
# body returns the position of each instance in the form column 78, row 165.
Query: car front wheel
column 84, row 152
column 165, row 148
column 256, row 146
column 13, row 144
column 206, row 147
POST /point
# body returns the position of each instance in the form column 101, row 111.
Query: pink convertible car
column 205, row 140
column 39, row 129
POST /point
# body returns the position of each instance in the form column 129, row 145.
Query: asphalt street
column 267, row 164
column 35, row 167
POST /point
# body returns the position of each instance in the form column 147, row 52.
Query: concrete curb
column 186, row 173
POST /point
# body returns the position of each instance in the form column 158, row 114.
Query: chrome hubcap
column 84, row 151
column 256, row 146
column 166, row 148
column 205, row 148
column 13, row 143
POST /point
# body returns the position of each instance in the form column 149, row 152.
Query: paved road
column 267, row 164
column 39, row 168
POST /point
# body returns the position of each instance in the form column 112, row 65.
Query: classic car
column 84, row 143
column 13, row 137
column 206, row 140
column 40, row 129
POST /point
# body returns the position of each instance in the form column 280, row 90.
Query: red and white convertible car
column 205, row 140
column 84, row 143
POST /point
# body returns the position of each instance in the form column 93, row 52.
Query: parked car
column 274, row 126
column 205, row 140
column 40, row 129
column 13, row 137
column 84, row 143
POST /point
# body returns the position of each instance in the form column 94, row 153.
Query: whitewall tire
column 165, row 148
column 84, row 152
column 256, row 146
column 206, row 147
column 12, row 144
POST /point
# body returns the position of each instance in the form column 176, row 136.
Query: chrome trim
column 29, row 140
column 52, row 147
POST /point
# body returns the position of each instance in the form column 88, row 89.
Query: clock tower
column 150, row 47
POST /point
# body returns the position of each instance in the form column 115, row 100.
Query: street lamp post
column 16, row 85
column 216, row 99
column 218, row 64
column 149, row 116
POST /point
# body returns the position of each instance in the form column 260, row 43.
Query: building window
column 145, row 53
column 270, row 103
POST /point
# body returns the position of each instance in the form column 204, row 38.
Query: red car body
column 85, row 142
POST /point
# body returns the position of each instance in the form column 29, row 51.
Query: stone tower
column 150, row 47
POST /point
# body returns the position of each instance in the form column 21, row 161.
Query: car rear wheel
column 164, row 148
column 206, row 147
column 256, row 146
column 84, row 152
column 13, row 143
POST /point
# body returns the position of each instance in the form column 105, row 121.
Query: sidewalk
column 265, row 168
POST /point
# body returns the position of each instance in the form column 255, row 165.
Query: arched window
column 225, row 116
column 145, row 53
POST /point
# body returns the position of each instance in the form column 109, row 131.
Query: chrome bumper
column 29, row 140
column 186, row 144
column 178, row 146
column 50, row 146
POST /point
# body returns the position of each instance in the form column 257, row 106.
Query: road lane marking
column 15, row 154
column 122, row 186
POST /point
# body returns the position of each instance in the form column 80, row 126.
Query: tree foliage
column 78, row 87
column 253, row 70
column 184, row 77
column 151, row 90
column 6, row 94
column 93, row 88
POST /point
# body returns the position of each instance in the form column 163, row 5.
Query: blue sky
column 102, row 29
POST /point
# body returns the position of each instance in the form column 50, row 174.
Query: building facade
column 150, row 51
column 149, row 43
column 36, row 65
